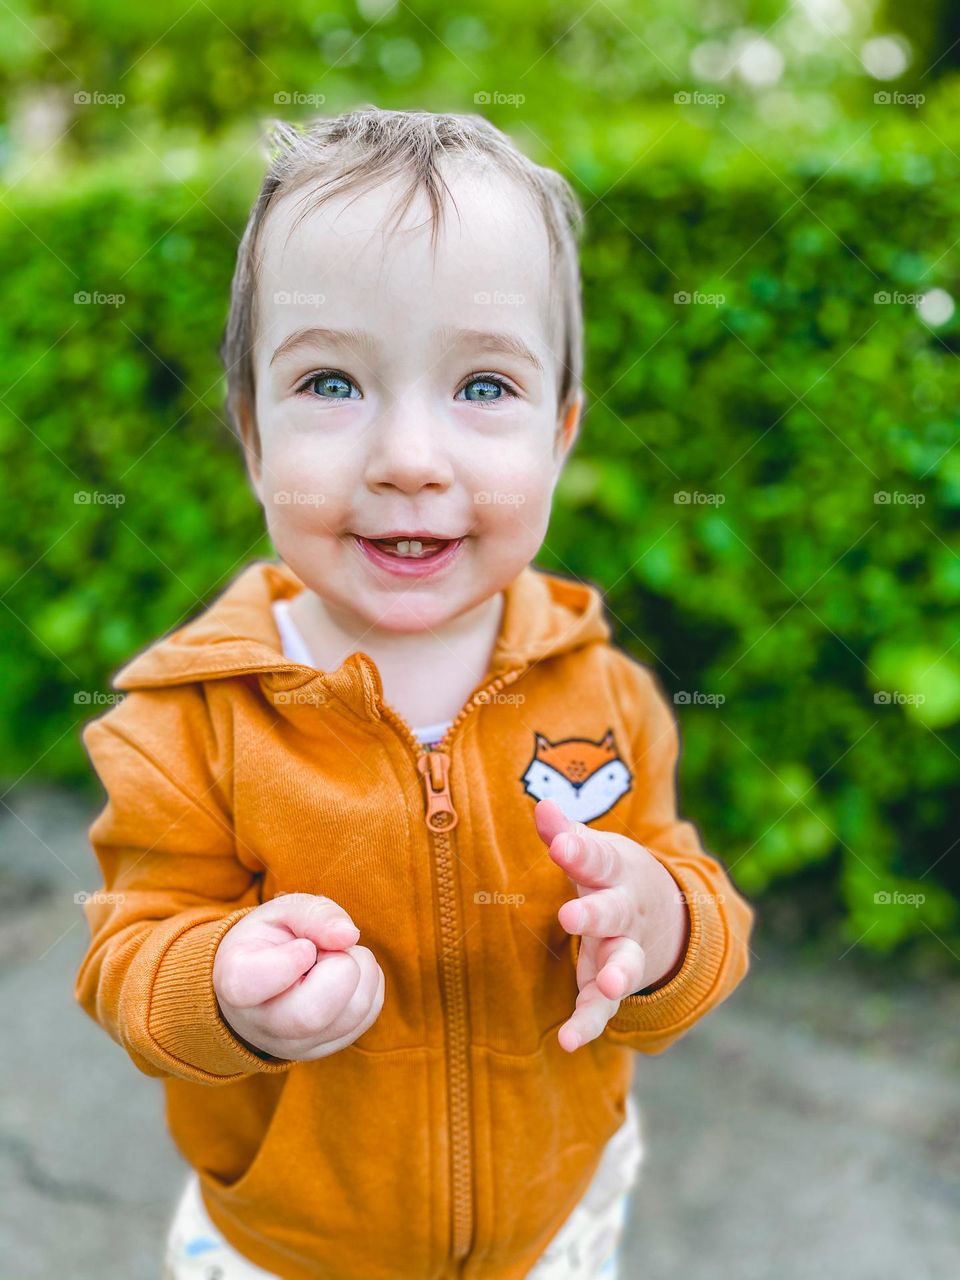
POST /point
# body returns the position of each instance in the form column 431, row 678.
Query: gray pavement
column 809, row 1127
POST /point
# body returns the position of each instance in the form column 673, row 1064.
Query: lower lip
column 410, row 566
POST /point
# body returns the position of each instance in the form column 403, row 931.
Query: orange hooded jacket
column 455, row 1136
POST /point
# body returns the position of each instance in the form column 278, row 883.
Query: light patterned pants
column 585, row 1248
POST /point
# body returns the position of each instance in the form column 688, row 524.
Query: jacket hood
column 543, row 615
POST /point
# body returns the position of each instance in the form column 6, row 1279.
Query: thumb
column 259, row 970
column 551, row 821
column 308, row 915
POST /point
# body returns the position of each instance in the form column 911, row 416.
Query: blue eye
column 329, row 384
column 491, row 389
column 336, row 384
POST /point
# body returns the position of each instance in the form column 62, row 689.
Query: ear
column 250, row 439
column 568, row 426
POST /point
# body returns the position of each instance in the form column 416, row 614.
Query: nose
column 407, row 451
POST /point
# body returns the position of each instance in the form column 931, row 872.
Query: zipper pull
column 435, row 767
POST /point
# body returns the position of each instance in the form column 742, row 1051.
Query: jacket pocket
column 612, row 1069
column 548, row 1117
column 342, row 1180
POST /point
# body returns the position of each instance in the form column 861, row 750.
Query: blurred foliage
column 805, row 626
column 186, row 73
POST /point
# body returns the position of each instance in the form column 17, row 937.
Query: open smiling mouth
column 410, row 556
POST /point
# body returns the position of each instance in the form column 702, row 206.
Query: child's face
column 407, row 429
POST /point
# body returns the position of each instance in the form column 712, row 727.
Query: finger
column 623, row 964
column 604, row 914
column 376, row 1004
column 255, row 970
column 592, row 1013
column 356, row 1007
column 587, row 960
column 310, row 915
column 311, row 1007
column 550, row 820
column 589, row 857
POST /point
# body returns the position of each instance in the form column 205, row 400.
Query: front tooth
column 403, row 547
column 415, row 546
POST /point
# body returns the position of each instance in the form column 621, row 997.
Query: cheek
column 513, row 489
column 302, row 491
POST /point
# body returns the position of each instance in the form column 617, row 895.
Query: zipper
column 440, row 817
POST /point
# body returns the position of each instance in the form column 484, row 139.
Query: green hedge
column 788, row 591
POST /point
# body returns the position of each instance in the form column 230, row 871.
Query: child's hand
column 635, row 926
column 290, row 981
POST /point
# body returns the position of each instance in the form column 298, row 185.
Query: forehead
column 492, row 250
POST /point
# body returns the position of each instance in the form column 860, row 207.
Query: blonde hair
column 360, row 149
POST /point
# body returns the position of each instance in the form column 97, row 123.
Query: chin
column 406, row 617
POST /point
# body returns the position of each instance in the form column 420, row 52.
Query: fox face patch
column 583, row 777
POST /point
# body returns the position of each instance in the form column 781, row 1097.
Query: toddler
column 394, row 885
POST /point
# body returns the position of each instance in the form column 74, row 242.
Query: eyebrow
column 491, row 340
column 360, row 340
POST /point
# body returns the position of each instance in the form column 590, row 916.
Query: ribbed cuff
column 185, row 1019
column 674, row 1003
